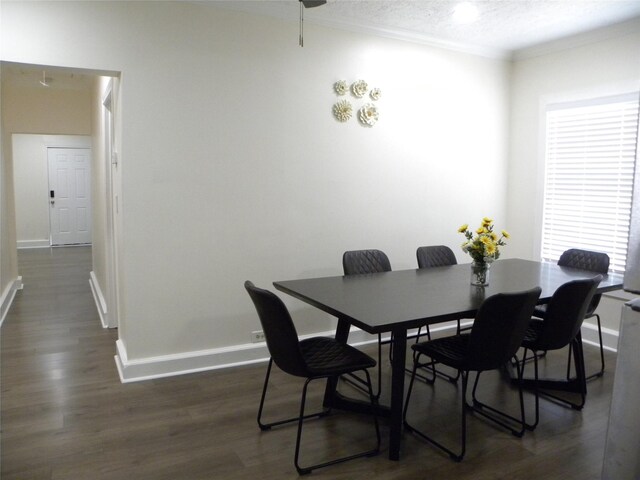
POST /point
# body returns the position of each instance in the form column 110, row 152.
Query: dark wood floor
column 65, row 414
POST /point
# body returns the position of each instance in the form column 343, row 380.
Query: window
column 589, row 168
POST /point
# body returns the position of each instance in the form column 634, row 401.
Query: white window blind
column 590, row 160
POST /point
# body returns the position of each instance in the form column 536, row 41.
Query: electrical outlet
column 257, row 336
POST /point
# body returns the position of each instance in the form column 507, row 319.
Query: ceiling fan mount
column 307, row 4
column 312, row 3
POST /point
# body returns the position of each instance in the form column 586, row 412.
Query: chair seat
column 533, row 332
column 450, row 350
column 495, row 337
column 326, row 357
column 313, row 358
column 540, row 310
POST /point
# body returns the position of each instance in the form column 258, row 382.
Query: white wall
column 607, row 67
column 9, row 280
column 31, row 183
column 233, row 167
column 602, row 68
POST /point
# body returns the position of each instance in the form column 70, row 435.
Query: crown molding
column 291, row 16
column 572, row 41
column 578, row 40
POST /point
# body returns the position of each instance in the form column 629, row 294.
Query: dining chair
column 596, row 262
column 494, row 339
column 361, row 262
column 559, row 328
column 312, row 358
column 437, row 256
column 430, row 257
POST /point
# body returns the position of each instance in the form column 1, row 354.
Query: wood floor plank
column 65, row 414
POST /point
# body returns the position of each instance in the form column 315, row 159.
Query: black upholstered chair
column 596, row 262
column 361, row 262
column 560, row 327
column 312, row 358
column 494, row 339
column 435, row 256
column 430, row 257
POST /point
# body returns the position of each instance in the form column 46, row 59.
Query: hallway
column 66, row 416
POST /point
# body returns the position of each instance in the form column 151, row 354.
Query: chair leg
column 536, row 392
column 479, row 407
column 578, row 357
column 463, row 434
column 540, row 354
column 520, row 370
column 580, row 379
column 452, row 379
column 267, row 426
column 264, row 394
column 415, row 356
column 369, row 453
column 359, row 382
column 600, row 372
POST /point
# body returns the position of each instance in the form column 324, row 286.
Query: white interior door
column 70, row 195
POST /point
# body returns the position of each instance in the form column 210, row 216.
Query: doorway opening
column 76, row 200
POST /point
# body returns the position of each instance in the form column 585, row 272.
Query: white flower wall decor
column 341, row 87
column 359, row 88
column 342, row 110
column 368, row 114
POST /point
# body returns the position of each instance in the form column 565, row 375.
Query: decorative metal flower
column 368, row 114
column 375, row 94
column 342, row 110
column 341, row 87
column 359, row 88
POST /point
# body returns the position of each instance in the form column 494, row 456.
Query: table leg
column 397, row 392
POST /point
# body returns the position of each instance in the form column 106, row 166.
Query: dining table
column 397, row 301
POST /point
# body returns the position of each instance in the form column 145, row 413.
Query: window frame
column 546, row 108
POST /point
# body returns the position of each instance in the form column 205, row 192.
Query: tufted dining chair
column 363, row 262
column 312, row 359
column 596, row 262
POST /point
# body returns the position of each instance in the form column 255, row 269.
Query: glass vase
column 480, row 273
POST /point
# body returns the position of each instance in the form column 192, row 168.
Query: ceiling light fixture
column 465, row 13
column 307, row 4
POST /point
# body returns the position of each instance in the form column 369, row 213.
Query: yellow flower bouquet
column 483, row 248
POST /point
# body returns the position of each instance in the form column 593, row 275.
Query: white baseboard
column 214, row 359
column 190, row 362
column 7, row 297
column 136, row 370
column 33, row 243
column 98, row 298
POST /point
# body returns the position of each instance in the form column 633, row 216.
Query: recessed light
column 465, row 12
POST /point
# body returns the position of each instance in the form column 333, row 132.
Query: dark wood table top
column 381, row 302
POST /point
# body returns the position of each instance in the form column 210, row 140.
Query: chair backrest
column 499, row 328
column 585, row 260
column 355, row 262
column 279, row 330
column 435, row 256
column 597, row 262
column 565, row 313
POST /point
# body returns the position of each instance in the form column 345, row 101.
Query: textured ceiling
column 504, row 26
